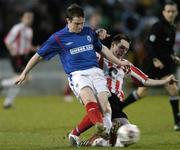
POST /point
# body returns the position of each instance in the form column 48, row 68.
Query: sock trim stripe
column 172, row 98
column 91, row 109
column 134, row 93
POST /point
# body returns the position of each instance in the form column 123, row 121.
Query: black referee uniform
column 159, row 44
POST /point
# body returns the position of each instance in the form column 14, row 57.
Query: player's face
column 76, row 24
column 28, row 18
column 120, row 49
column 170, row 12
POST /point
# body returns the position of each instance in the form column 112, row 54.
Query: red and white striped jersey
column 20, row 37
column 115, row 76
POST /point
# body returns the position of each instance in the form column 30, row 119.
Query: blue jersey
column 77, row 51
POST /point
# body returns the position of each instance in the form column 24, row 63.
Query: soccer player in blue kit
column 76, row 46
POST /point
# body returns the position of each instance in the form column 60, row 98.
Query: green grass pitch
column 40, row 123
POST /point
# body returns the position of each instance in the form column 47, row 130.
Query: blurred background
column 132, row 17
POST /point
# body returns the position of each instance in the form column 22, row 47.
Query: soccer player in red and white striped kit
column 19, row 44
column 115, row 76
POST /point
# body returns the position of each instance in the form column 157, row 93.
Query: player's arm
column 108, row 55
column 10, row 38
column 151, row 44
column 175, row 58
column 152, row 82
column 142, row 79
column 32, row 62
column 47, row 51
column 102, row 33
column 152, row 40
column 105, row 51
column 9, row 47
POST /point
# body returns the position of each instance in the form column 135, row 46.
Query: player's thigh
column 87, row 95
column 142, row 91
column 100, row 84
column 172, row 89
column 82, row 87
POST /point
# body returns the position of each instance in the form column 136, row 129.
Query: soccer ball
column 126, row 135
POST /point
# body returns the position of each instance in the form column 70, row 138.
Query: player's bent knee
column 87, row 95
column 142, row 92
column 172, row 89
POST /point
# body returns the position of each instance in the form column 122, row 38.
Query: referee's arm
column 153, row 39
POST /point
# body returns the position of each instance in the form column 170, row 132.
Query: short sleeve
column 138, row 77
column 49, row 49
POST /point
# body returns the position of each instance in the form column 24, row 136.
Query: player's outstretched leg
column 12, row 93
column 177, row 125
column 174, row 102
column 134, row 96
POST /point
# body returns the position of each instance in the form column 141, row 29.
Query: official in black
column 161, row 60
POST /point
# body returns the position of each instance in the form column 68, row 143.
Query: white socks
column 8, row 82
column 12, row 93
column 134, row 93
column 107, row 122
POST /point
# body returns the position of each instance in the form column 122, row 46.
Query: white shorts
column 93, row 78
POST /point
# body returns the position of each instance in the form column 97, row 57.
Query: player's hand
column 35, row 48
column 102, row 33
column 157, row 63
column 20, row 79
column 176, row 59
column 126, row 69
column 171, row 79
column 12, row 50
column 124, row 64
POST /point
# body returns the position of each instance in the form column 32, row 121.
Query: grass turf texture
column 40, row 123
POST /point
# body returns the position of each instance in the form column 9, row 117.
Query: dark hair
column 117, row 38
column 169, row 2
column 74, row 10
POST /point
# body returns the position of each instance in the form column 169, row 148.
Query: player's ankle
column 75, row 132
column 101, row 130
